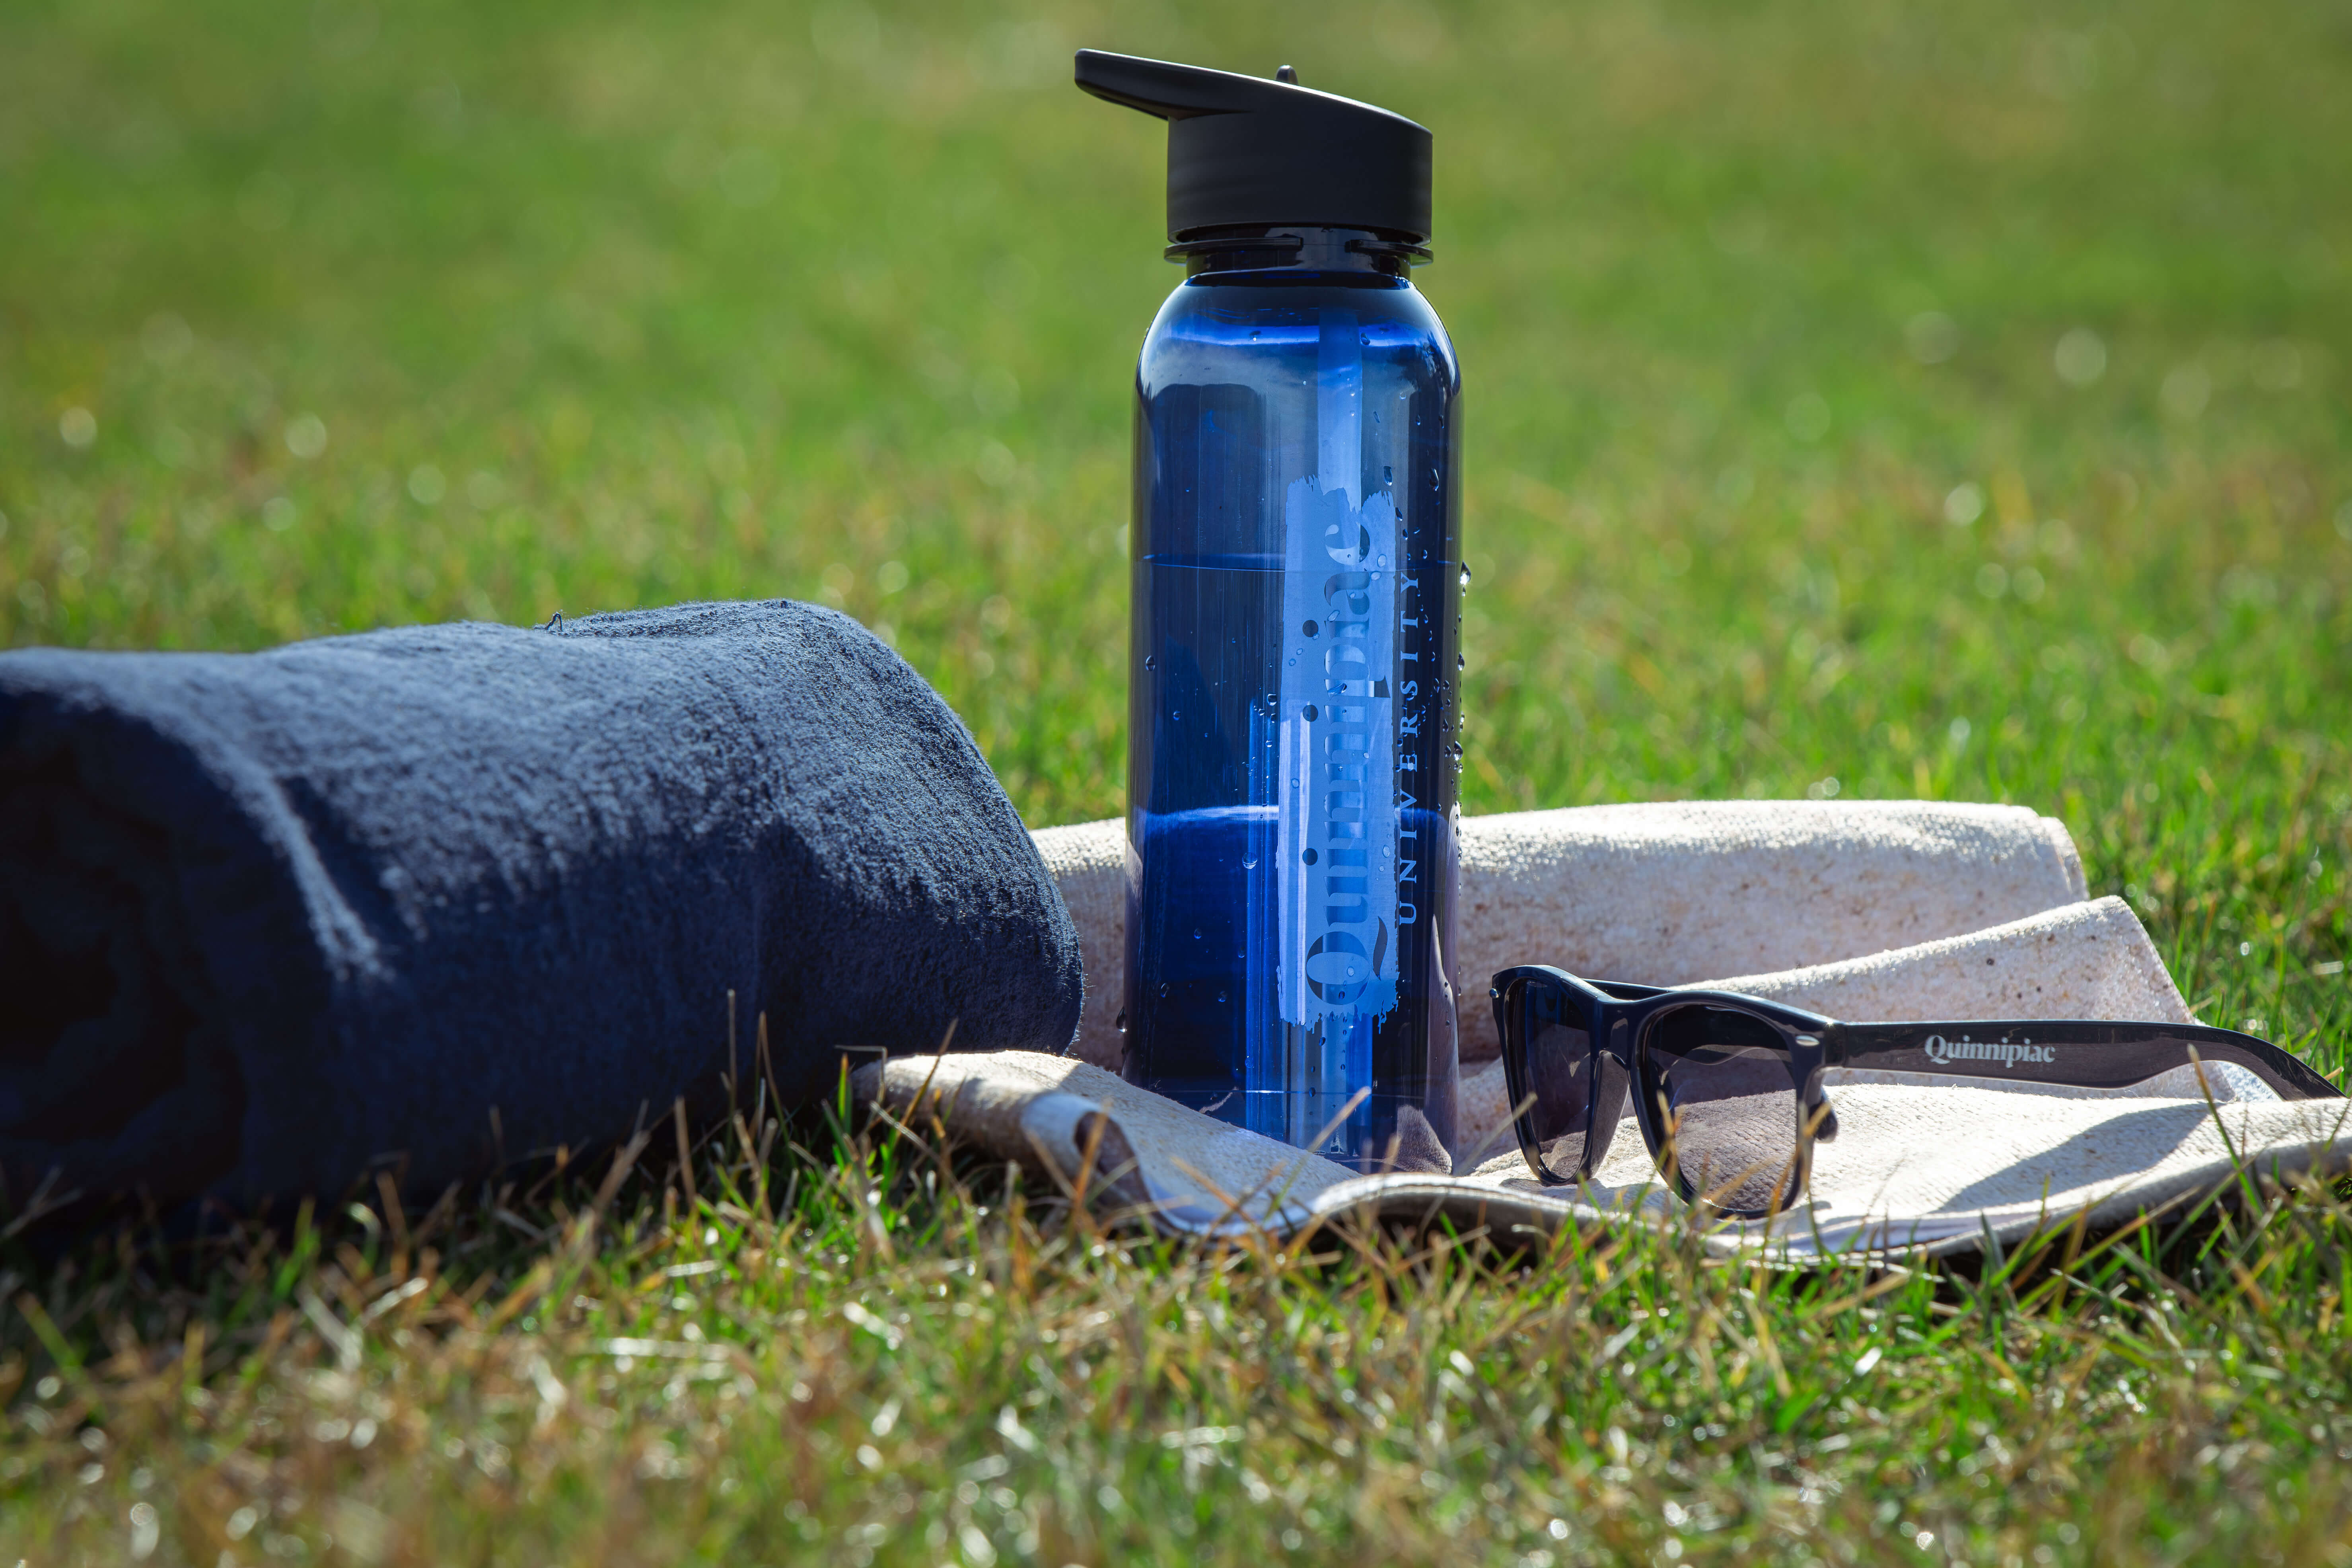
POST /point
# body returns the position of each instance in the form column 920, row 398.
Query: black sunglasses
column 1730, row 1100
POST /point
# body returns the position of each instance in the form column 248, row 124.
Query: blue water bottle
column 1293, row 747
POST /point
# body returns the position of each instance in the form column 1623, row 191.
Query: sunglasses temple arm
column 2072, row 1053
column 2031, row 1052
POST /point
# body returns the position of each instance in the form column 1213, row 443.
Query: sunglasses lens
column 1730, row 1105
column 1556, row 1082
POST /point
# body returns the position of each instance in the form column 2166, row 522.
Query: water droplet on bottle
column 1461, row 663
column 1454, row 749
column 1163, row 988
column 1307, row 856
column 1465, row 574
column 1122, row 1020
column 1249, row 859
column 1149, row 662
column 1310, row 713
column 1388, row 474
column 1309, row 627
column 1196, row 933
column 1221, row 996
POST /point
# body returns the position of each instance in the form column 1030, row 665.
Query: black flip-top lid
column 1243, row 150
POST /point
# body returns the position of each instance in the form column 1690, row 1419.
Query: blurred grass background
column 1866, row 399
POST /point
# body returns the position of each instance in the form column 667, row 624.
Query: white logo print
column 2008, row 1053
column 1339, row 837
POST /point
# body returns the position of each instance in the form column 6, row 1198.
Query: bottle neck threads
column 1303, row 247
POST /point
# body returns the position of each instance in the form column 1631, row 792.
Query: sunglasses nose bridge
column 1818, row 1116
column 1619, row 1039
column 1611, row 1083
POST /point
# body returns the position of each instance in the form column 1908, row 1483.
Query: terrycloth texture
column 1047, row 1113
column 1861, row 911
column 2079, row 961
column 1089, row 864
column 418, row 897
column 1665, row 894
column 2076, row 961
column 1919, row 1161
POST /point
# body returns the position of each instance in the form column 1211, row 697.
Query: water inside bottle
column 1291, row 793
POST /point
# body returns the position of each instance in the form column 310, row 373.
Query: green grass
column 596, row 307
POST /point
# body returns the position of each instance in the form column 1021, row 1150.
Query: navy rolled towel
column 417, row 898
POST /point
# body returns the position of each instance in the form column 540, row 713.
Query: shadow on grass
column 832, row 1329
